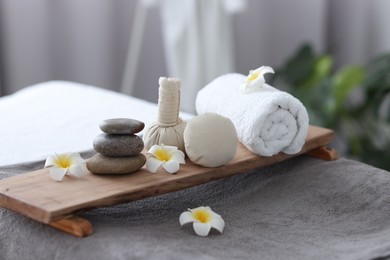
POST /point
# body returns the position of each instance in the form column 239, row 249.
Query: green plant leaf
column 322, row 68
column 299, row 67
column 347, row 79
column 325, row 94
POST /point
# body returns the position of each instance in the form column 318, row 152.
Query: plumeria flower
column 204, row 219
column 169, row 157
column 65, row 163
column 255, row 80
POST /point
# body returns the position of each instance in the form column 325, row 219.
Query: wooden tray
column 37, row 196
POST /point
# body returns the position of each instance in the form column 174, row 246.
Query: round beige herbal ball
column 210, row 140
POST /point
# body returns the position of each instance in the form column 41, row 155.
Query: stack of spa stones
column 119, row 149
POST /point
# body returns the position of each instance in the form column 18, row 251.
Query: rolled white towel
column 267, row 121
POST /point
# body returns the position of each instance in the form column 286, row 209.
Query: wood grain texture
column 79, row 227
column 37, row 196
column 324, row 153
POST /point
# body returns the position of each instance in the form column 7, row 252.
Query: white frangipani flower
column 65, row 163
column 204, row 219
column 255, row 80
column 169, row 157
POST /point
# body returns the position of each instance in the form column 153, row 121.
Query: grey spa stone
column 100, row 164
column 121, row 126
column 118, row 145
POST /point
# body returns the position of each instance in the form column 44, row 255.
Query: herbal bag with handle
column 169, row 127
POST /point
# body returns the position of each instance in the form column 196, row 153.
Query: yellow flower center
column 163, row 155
column 253, row 75
column 63, row 161
column 202, row 215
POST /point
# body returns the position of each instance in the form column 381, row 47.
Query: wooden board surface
column 37, row 196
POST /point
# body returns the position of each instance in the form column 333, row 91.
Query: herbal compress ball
column 169, row 127
column 210, row 140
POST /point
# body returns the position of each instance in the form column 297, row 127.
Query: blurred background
column 331, row 54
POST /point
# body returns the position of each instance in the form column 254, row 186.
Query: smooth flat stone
column 121, row 126
column 118, row 145
column 100, row 164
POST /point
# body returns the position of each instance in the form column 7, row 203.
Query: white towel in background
column 267, row 122
column 60, row 116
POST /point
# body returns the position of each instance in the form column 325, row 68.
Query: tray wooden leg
column 79, row 227
column 324, row 153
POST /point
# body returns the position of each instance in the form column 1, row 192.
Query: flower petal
column 169, row 148
column 255, row 80
column 50, row 161
column 152, row 164
column 199, row 208
column 202, row 229
column 178, row 156
column 215, row 215
column 171, row 166
column 76, row 158
column 218, row 224
column 166, row 148
column 265, row 69
column 57, row 174
column 185, row 218
column 77, row 169
column 154, row 149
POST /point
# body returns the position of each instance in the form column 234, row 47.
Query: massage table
column 300, row 208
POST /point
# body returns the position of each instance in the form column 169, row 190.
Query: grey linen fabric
column 303, row 208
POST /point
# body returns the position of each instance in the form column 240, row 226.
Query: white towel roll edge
column 267, row 122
